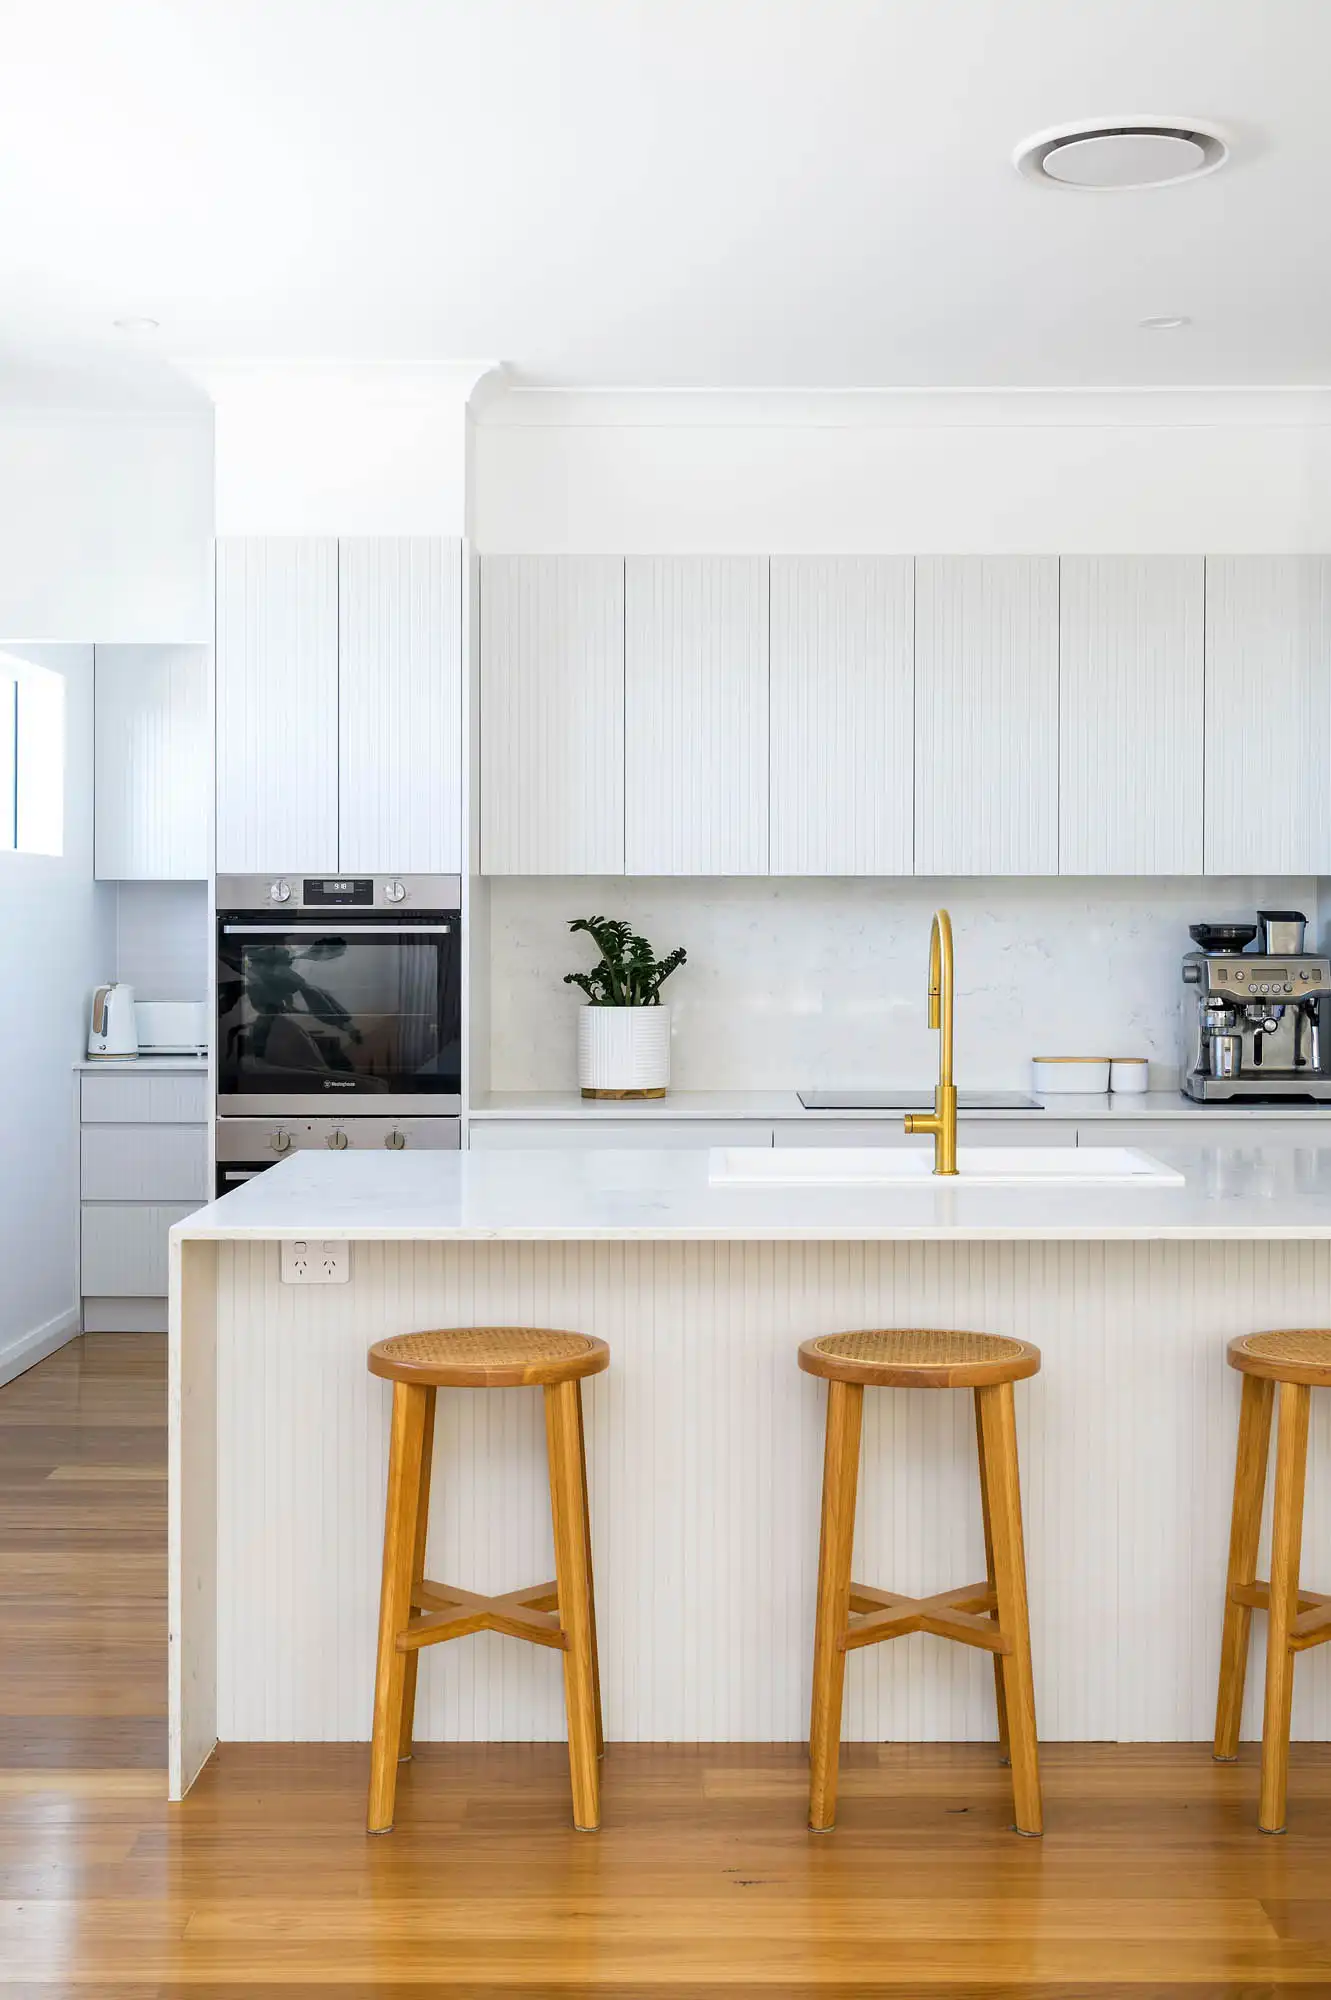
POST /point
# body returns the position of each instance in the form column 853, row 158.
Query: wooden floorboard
column 1151, row 1880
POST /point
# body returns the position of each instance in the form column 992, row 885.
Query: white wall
column 1110, row 472
column 58, row 932
column 105, row 526
column 823, row 982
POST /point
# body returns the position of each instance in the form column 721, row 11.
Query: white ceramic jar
column 624, row 1051
column 1080, row 1076
column 1129, row 1076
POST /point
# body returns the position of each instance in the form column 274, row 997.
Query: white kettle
column 111, row 1031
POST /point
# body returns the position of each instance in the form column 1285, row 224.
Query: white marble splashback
column 822, row 982
column 162, row 939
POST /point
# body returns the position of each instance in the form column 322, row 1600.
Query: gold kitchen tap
column 942, row 1120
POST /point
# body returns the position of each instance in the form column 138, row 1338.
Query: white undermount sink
column 898, row 1166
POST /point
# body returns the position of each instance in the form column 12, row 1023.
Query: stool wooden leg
column 403, row 1501
column 841, row 1472
column 417, row 1575
column 998, row 1429
column 1245, row 1530
column 1000, row 1693
column 568, row 1506
column 591, row 1578
column 1286, row 1544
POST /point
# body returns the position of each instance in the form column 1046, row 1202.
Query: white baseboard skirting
column 30, row 1348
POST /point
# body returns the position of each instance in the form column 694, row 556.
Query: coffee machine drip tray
column 1231, row 1090
column 914, row 1100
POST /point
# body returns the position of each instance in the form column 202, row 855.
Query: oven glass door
column 341, row 1010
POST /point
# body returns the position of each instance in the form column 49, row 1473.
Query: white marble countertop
column 190, row 1065
column 779, row 1104
column 1230, row 1193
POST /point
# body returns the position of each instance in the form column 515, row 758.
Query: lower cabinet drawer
column 124, row 1252
column 151, row 1098
column 1037, row 1130
column 488, row 1135
column 144, row 1163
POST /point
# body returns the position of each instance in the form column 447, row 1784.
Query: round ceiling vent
column 1129, row 153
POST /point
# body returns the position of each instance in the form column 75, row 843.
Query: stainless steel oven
column 339, row 995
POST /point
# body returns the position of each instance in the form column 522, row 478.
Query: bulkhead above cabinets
column 890, row 715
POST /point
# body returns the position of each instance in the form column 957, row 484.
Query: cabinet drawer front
column 164, row 1099
column 644, row 1133
column 145, row 1163
column 1037, row 1130
column 1207, row 1128
column 125, row 1249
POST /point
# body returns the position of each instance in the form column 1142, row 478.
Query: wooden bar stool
column 1299, row 1360
column 414, row 1612
column 992, row 1614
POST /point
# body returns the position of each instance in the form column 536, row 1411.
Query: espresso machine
column 1256, row 1023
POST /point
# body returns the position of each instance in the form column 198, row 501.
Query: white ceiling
column 699, row 193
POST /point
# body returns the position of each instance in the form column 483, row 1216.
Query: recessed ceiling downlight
column 1128, row 153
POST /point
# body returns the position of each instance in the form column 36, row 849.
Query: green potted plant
column 623, row 1031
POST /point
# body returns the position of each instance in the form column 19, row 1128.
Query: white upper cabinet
column 695, row 707
column 986, row 715
column 1268, row 715
column 552, row 715
column 276, row 705
column 842, row 715
column 400, row 706
column 1130, row 715
column 153, row 744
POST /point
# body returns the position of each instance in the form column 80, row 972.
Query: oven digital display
column 347, row 893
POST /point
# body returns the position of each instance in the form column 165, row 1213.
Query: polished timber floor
column 1152, row 1878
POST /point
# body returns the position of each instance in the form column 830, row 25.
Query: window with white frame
column 32, row 757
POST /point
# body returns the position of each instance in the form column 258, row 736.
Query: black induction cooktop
column 914, row 1100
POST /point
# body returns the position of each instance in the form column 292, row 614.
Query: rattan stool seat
column 909, row 1357
column 1286, row 1354
column 488, row 1357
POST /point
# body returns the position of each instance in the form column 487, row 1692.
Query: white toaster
column 171, row 1027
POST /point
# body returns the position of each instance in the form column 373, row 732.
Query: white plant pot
column 624, row 1051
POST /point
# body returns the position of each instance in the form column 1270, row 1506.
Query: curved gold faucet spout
column 941, row 1122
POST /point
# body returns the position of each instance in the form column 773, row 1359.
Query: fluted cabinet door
column 153, row 755
column 276, row 704
column 986, row 715
column 842, row 715
column 696, row 715
column 1130, row 715
column 1268, row 715
column 400, row 705
column 552, row 715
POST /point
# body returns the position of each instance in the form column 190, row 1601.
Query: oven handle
column 338, row 930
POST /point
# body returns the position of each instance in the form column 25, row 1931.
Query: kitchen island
column 705, row 1440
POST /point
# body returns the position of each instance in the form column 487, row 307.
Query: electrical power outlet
column 309, row 1262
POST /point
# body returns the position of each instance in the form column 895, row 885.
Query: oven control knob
column 337, row 1140
column 395, row 1140
column 280, row 1142
column 279, row 892
column 395, row 892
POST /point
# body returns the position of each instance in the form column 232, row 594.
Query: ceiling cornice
column 509, row 407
